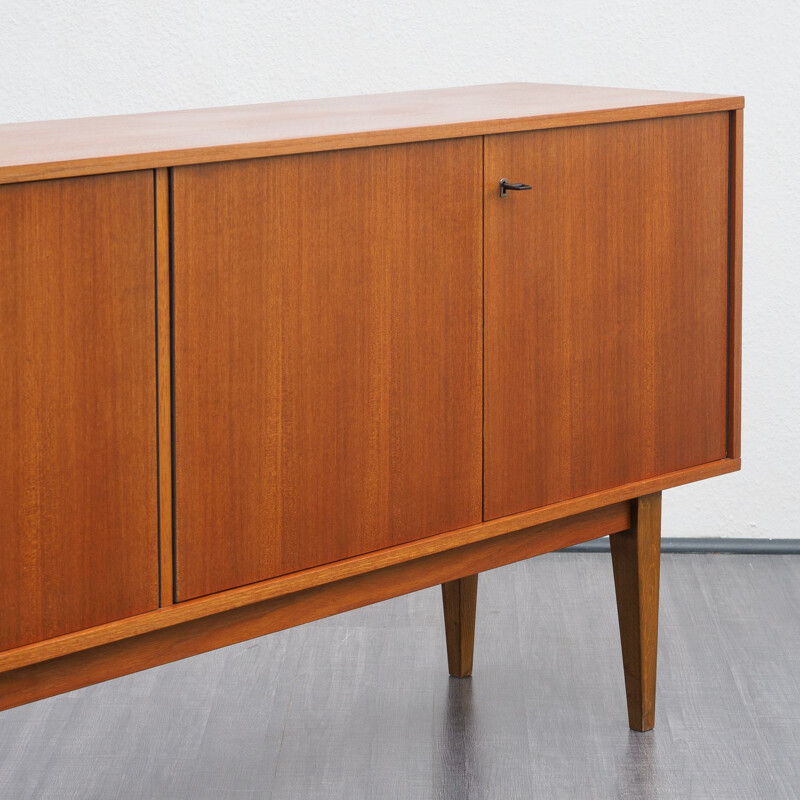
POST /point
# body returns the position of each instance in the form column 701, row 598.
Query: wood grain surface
column 358, row 565
column 734, row 442
column 78, row 480
column 39, row 150
column 459, row 601
column 327, row 357
column 606, row 307
column 25, row 684
column 163, row 218
column 636, row 557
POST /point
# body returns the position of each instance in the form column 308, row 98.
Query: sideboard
column 264, row 364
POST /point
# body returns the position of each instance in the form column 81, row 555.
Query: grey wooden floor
column 360, row 705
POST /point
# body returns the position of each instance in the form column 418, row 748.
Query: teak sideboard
column 268, row 363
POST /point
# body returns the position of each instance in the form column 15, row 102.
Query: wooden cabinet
column 327, row 357
column 269, row 363
column 78, row 521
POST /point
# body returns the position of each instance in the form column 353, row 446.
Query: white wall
column 70, row 59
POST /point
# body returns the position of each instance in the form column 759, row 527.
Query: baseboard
column 707, row 544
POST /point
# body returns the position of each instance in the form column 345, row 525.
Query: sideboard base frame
column 171, row 615
column 114, row 659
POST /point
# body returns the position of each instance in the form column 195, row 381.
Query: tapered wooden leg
column 459, row 598
column 636, row 555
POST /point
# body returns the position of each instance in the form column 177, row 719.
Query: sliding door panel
column 327, row 357
column 606, row 306
column 78, row 476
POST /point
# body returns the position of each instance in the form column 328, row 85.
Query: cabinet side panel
column 606, row 307
column 735, row 286
column 78, row 477
column 327, row 357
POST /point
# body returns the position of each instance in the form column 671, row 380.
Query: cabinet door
column 78, row 525
column 606, row 306
column 327, row 322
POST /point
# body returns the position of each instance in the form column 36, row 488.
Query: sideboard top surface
column 61, row 148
